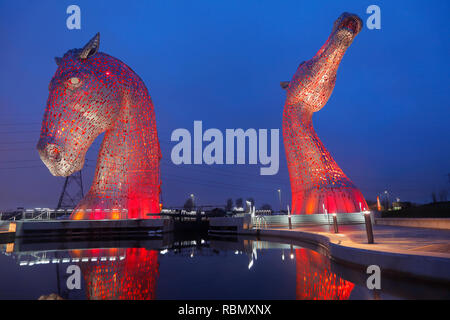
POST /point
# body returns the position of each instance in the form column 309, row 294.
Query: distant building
column 398, row 205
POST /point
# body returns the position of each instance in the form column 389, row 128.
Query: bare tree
column 189, row 204
column 443, row 194
column 433, row 196
column 229, row 205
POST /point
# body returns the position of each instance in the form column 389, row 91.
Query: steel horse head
column 93, row 93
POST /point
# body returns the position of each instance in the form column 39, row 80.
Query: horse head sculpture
column 318, row 185
column 93, row 93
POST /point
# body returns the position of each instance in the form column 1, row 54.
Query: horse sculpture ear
column 284, row 84
column 58, row 60
column 91, row 47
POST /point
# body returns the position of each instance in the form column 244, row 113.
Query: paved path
column 433, row 242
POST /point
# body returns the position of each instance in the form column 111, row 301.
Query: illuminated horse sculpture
column 91, row 93
column 318, row 185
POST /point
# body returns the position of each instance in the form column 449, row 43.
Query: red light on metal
column 93, row 93
column 318, row 184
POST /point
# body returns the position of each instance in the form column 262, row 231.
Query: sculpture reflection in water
column 318, row 184
column 315, row 281
column 125, row 274
column 93, row 93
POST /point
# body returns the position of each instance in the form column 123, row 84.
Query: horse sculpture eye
column 74, row 81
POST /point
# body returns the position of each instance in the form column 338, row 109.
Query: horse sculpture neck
column 313, row 161
column 318, row 184
column 127, row 179
column 311, row 165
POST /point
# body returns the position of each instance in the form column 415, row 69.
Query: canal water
column 162, row 267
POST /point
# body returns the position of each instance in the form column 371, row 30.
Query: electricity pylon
column 72, row 192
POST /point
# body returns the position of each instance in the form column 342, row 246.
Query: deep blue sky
column 386, row 123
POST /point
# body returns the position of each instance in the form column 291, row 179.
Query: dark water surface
column 209, row 268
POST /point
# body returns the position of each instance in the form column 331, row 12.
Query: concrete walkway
column 429, row 242
column 398, row 251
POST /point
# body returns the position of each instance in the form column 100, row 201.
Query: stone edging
column 432, row 223
column 424, row 267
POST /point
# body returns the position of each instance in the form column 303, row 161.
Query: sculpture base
column 96, row 208
column 339, row 200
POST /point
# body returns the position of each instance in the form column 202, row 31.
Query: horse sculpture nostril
column 53, row 153
column 352, row 22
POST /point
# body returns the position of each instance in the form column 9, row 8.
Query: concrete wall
column 91, row 227
column 432, row 223
column 7, row 226
column 7, row 231
column 230, row 224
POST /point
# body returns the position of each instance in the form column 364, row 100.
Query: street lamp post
column 335, row 223
column 279, row 197
column 193, row 200
column 369, row 230
column 387, row 199
column 289, row 218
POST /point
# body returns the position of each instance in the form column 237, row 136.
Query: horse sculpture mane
column 91, row 93
column 318, row 185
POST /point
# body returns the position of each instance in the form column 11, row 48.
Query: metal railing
column 282, row 221
column 259, row 222
column 35, row 214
